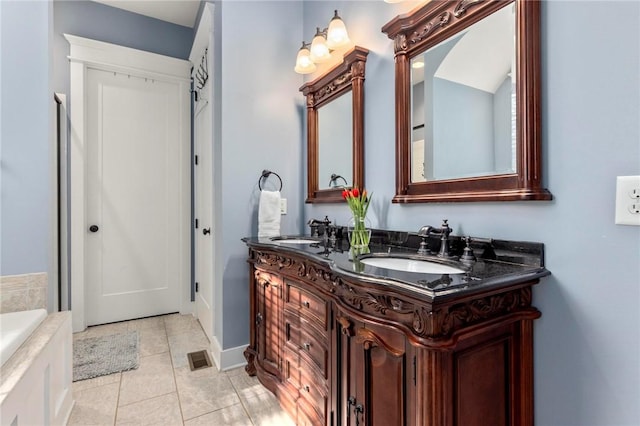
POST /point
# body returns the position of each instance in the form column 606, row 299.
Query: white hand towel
column 269, row 214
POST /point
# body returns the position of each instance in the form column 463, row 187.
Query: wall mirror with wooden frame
column 468, row 101
column 335, row 129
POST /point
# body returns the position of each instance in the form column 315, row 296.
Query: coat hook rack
column 202, row 73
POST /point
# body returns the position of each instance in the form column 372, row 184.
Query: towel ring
column 265, row 174
column 335, row 177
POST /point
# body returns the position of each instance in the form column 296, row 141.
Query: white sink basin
column 294, row 240
column 410, row 265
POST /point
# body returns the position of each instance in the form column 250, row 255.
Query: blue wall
column 26, row 137
column 587, row 344
column 259, row 128
column 104, row 23
column 502, row 126
column 462, row 131
column 34, row 65
column 335, row 153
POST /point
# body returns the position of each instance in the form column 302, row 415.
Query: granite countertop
column 499, row 264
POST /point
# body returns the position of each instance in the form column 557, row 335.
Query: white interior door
column 417, row 161
column 204, row 208
column 133, row 197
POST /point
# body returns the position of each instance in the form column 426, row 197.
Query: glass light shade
column 304, row 64
column 417, row 64
column 319, row 52
column 337, row 35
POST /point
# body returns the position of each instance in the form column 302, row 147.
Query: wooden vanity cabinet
column 268, row 322
column 307, row 348
column 374, row 373
column 338, row 351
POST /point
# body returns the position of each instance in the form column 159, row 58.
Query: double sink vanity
column 392, row 337
column 421, row 328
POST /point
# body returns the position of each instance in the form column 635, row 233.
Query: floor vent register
column 199, row 360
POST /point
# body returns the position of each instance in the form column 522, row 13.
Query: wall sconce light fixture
column 331, row 38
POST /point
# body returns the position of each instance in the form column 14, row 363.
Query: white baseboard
column 229, row 358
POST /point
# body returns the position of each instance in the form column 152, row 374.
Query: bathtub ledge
column 17, row 366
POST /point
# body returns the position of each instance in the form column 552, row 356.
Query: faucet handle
column 445, row 230
column 467, row 258
column 326, row 227
column 424, row 248
column 332, row 234
column 313, row 224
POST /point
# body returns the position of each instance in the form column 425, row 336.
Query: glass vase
column 359, row 230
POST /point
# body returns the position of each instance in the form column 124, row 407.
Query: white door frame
column 59, row 208
column 84, row 54
column 204, row 40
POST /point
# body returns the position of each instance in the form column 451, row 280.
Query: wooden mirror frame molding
column 425, row 27
column 348, row 75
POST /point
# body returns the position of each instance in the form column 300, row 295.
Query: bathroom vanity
column 342, row 342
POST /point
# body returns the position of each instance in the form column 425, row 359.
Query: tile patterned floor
column 163, row 391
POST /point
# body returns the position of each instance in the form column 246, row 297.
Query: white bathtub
column 15, row 328
column 35, row 383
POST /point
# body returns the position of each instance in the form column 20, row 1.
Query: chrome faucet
column 314, row 224
column 444, row 232
column 424, row 232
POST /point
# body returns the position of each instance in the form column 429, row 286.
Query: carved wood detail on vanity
column 444, row 322
column 416, row 316
column 325, row 342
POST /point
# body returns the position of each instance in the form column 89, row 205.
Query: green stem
column 360, row 235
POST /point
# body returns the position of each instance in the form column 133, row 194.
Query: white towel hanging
column 269, row 214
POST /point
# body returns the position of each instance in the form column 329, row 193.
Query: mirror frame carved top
column 348, row 75
column 425, row 27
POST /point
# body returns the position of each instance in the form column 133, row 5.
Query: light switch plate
column 628, row 200
column 283, row 206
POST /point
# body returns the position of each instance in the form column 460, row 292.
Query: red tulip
column 345, row 194
column 355, row 192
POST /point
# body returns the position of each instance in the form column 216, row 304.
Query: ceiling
column 181, row 12
column 481, row 58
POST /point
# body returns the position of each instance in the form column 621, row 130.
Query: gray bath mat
column 99, row 356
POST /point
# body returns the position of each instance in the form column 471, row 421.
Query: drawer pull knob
column 306, row 304
column 306, row 345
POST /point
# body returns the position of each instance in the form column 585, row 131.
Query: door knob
column 206, row 231
column 93, row 228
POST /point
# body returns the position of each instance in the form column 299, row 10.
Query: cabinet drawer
column 308, row 414
column 309, row 305
column 312, row 394
column 308, row 344
column 310, row 385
